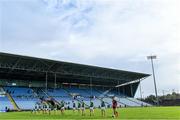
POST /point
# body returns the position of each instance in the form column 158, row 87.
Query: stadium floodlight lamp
column 151, row 57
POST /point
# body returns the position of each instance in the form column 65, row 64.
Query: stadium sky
column 109, row 33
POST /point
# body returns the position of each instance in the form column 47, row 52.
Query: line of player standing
column 46, row 108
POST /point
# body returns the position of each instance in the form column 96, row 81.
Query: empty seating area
column 93, row 92
column 26, row 98
column 139, row 102
column 122, row 99
column 23, row 97
column 57, row 92
column 18, row 91
column 4, row 102
column 25, row 103
column 78, row 91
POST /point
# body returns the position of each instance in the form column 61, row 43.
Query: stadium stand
column 25, row 98
column 26, row 81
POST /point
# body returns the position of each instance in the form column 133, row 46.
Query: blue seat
column 4, row 102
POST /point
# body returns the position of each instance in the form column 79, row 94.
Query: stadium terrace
column 26, row 82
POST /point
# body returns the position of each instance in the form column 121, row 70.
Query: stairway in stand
column 13, row 102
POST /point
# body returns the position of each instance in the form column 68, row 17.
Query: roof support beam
column 55, row 84
column 46, row 83
column 44, row 71
column 131, row 90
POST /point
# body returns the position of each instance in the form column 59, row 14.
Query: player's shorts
column 83, row 108
column 79, row 108
column 62, row 108
column 103, row 108
column 74, row 108
column 91, row 108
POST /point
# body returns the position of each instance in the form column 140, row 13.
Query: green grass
column 124, row 113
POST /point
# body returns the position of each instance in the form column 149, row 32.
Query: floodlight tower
column 152, row 57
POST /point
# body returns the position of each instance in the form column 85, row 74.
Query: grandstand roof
column 24, row 67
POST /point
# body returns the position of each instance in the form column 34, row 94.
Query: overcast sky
column 109, row 33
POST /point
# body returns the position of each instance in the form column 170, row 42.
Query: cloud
column 110, row 33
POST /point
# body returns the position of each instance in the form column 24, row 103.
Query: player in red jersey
column 114, row 106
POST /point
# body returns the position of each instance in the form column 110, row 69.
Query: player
column 83, row 108
column 74, row 106
column 55, row 108
column 91, row 108
column 103, row 107
column 79, row 107
column 35, row 108
column 62, row 107
column 44, row 108
column 59, row 107
column 114, row 106
column 49, row 108
column 40, row 107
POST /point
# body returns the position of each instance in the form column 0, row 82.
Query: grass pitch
column 124, row 113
